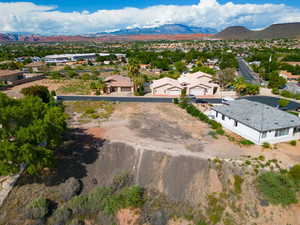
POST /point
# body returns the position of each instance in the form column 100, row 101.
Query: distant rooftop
column 258, row 116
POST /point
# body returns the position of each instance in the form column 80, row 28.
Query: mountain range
column 164, row 29
column 166, row 32
column 275, row 31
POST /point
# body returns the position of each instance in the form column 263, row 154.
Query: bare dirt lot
column 52, row 85
column 167, row 128
column 163, row 146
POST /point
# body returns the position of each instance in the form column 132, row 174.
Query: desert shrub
column 131, row 197
column 213, row 134
column 220, row 131
column 61, row 216
column 94, row 116
column 287, row 94
column 214, row 125
column 238, row 181
column 294, row 172
column 216, row 209
column 231, row 138
column 275, row 91
column 277, row 188
column 201, row 222
column 104, row 199
column 70, row 188
column 293, row 143
column 246, row 142
column 90, row 111
column 122, row 180
column 283, row 102
column 79, row 205
column 266, row 145
column 98, row 92
column 76, row 222
column 37, row 208
column 192, row 110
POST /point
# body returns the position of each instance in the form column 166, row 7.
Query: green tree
column 31, row 131
column 37, row 90
column 283, row 102
column 99, row 85
column 276, row 81
column 225, row 77
column 180, row 66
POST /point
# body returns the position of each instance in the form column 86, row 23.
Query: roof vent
column 276, row 123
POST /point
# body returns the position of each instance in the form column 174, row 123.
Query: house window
column 125, row 89
column 223, row 117
column 282, row 132
column 296, row 130
column 235, row 123
column 264, row 134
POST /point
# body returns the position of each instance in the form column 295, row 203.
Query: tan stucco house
column 198, row 84
column 118, row 84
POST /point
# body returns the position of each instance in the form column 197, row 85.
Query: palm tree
column 133, row 68
column 99, row 85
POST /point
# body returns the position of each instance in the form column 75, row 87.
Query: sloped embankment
column 224, row 192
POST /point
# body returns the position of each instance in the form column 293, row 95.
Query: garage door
column 197, row 91
column 173, row 92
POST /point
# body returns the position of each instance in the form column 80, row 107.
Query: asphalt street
column 271, row 101
column 246, row 72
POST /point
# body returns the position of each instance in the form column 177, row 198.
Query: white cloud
column 29, row 17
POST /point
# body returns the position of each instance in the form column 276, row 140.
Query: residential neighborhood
column 197, row 84
column 162, row 113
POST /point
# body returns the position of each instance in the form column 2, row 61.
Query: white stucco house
column 198, row 84
column 257, row 122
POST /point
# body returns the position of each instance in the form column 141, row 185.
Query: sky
column 71, row 17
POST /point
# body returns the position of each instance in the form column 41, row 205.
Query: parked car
column 227, row 100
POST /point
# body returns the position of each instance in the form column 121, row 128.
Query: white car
column 227, row 100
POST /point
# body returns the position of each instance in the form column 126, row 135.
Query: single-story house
column 166, row 86
column 198, row 84
column 289, row 76
column 119, row 84
column 8, row 76
column 257, row 122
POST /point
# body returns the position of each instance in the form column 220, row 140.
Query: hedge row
column 192, row 110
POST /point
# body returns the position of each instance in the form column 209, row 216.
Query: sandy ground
column 52, row 85
column 167, row 128
column 151, row 127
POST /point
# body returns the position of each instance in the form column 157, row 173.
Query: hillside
column 286, row 30
column 101, row 38
column 164, row 29
column 186, row 174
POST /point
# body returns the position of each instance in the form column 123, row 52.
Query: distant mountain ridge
column 275, row 31
column 102, row 38
column 164, row 29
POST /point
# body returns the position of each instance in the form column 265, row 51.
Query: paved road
column 114, row 99
column 272, row 101
column 246, row 72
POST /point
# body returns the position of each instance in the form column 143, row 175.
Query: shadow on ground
column 77, row 152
